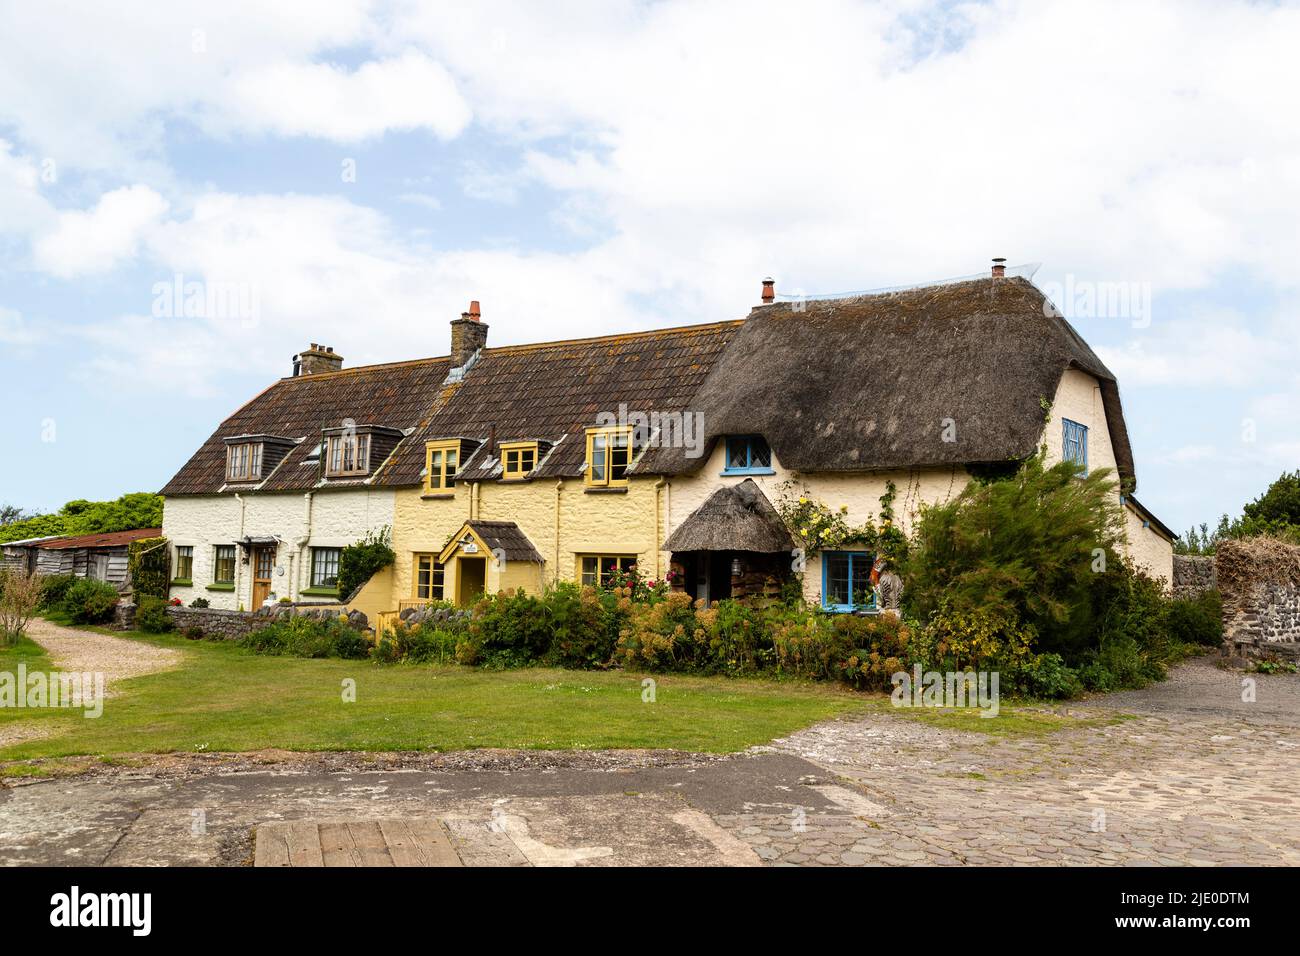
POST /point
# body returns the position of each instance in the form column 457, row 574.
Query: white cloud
column 316, row 99
column 14, row 329
column 96, row 240
column 844, row 145
column 425, row 200
column 95, row 86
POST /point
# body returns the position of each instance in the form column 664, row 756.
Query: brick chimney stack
column 468, row 335
column 317, row 359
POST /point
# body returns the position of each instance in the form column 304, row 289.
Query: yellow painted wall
column 564, row 520
column 589, row 523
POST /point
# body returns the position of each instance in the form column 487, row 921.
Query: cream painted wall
column 860, row 492
column 1148, row 548
column 326, row 519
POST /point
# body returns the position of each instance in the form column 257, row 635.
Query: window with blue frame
column 1074, row 443
column 748, row 455
column 846, row 581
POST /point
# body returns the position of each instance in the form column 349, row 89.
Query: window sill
column 848, row 609
column 727, row 472
column 183, row 583
column 221, row 587
column 600, row 490
column 320, row 592
column 437, row 495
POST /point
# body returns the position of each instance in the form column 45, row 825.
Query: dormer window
column 748, row 455
column 609, row 453
column 357, row 450
column 253, row 457
column 244, row 461
column 441, row 462
column 349, row 454
column 518, row 459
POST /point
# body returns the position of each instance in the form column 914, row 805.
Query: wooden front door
column 263, row 568
column 471, row 580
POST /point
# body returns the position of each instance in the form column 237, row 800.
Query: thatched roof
column 867, row 382
column 735, row 518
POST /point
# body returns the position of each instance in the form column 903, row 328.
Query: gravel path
column 86, row 651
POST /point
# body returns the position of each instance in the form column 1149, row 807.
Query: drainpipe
column 239, row 565
column 555, row 569
column 660, row 485
column 300, row 547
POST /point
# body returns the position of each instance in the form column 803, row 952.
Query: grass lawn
column 227, row 699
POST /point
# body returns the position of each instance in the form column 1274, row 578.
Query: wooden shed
column 99, row 556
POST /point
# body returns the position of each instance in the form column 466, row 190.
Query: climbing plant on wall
column 148, row 562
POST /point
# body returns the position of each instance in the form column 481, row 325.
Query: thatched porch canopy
column 736, row 518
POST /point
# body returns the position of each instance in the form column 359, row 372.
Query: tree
column 11, row 513
column 20, row 595
column 131, row 511
column 1280, row 503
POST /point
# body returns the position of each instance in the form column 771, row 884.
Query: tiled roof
column 507, row 539
column 552, row 391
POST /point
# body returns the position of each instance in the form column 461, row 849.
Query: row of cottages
column 101, row 557
column 498, row 468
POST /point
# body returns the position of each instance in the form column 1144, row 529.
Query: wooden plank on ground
column 418, row 843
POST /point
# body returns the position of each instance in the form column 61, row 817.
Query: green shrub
column 584, row 625
column 668, row 635
column 1025, row 547
column 151, row 615
column 303, row 637
column 200, row 603
column 1044, row 675
column 54, row 588
column 1197, row 620
column 423, row 644
column 359, row 562
column 507, row 629
column 90, row 602
column 864, row 652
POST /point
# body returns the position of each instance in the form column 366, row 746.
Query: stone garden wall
column 1193, row 574
column 214, row 622
column 1260, row 582
column 218, row 623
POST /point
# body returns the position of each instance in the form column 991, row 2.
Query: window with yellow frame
column 518, row 458
column 596, row 570
column 429, row 577
column 441, row 459
column 609, row 453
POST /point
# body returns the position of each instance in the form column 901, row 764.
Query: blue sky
column 362, row 170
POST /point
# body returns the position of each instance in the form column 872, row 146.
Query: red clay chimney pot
column 769, row 290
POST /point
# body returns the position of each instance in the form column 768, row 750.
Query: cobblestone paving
column 1174, row 785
